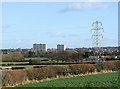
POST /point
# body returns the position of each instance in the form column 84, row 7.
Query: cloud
column 61, row 35
column 85, row 5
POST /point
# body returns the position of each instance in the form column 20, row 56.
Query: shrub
column 35, row 61
column 30, row 76
column 29, row 73
column 13, row 77
column 110, row 66
column 40, row 73
column 60, row 70
column 50, row 72
column 100, row 67
column 117, row 64
column 81, row 68
column 114, row 66
column 12, row 57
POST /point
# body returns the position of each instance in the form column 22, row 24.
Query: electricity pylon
column 97, row 35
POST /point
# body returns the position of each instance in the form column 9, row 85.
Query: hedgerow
column 100, row 67
column 13, row 77
column 81, row 68
column 21, row 76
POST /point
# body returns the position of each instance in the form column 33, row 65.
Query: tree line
column 68, row 55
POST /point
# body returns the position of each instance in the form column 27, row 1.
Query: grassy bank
column 97, row 80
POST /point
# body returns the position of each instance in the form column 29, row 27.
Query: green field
column 13, row 62
column 42, row 58
column 26, row 66
column 97, row 80
column 29, row 66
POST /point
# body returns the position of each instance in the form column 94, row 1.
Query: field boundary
column 69, row 76
column 14, row 77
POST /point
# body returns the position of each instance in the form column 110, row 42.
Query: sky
column 26, row 23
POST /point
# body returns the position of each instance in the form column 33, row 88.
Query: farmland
column 13, row 77
column 27, row 65
column 13, row 62
column 42, row 58
column 31, row 66
column 23, row 64
column 97, row 80
column 18, row 68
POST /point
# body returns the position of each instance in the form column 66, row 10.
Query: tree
column 86, row 55
column 31, row 54
column 12, row 57
column 107, row 53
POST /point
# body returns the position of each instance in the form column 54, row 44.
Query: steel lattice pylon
column 96, row 36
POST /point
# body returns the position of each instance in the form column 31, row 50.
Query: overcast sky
column 57, row 23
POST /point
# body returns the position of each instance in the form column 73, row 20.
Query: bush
column 117, row 64
column 81, row 68
column 30, row 76
column 29, row 73
column 61, row 70
column 110, row 66
column 50, row 72
column 12, row 57
column 114, row 66
column 35, row 61
column 100, row 67
column 40, row 73
column 13, row 77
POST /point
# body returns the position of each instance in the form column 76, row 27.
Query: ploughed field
column 96, row 80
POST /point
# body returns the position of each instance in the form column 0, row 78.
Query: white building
column 40, row 47
column 61, row 47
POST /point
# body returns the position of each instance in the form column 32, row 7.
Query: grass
column 30, row 66
column 42, row 58
column 13, row 62
column 26, row 66
column 97, row 80
column 112, row 61
column 30, row 58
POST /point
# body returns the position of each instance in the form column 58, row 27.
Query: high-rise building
column 40, row 47
column 61, row 47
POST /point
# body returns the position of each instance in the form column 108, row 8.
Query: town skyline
column 65, row 47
